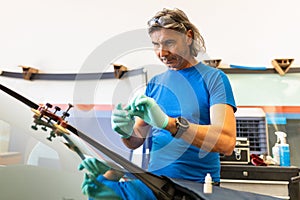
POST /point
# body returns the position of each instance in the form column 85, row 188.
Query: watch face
column 183, row 121
column 182, row 125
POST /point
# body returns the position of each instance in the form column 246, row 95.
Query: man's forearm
column 140, row 132
column 113, row 175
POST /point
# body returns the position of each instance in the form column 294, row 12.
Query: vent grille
column 253, row 128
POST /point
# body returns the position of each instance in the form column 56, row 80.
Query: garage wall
column 60, row 35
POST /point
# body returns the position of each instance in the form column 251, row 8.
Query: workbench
column 282, row 182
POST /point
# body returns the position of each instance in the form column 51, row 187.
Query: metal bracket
column 282, row 65
column 119, row 70
column 28, row 72
column 213, row 63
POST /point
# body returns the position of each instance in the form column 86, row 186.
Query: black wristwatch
column 182, row 125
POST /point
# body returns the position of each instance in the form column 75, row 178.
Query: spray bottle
column 275, row 151
column 284, row 149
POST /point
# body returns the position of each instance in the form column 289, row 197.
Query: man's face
column 172, row 48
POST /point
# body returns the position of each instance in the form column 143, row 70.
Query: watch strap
column 181, row 128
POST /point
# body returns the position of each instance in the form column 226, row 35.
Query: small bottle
column 275, row 151
column 207, row 188
column 285, row 155
column 284, row 150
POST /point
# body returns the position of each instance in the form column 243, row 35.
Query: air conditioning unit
column 251, row 136
column 251, row 123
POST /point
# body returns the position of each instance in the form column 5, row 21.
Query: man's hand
column 92, row 188
column 147, row 109
column 94, row 166
column 122, row 122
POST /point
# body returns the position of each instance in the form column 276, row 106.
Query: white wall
column 87, row 35
column 58, row 36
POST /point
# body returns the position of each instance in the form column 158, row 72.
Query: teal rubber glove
column 94, row 166
column 147, row 109
column 92, row 188
column 122, row 122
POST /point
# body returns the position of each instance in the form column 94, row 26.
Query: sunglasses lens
column 161, row 21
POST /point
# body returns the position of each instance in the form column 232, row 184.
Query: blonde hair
column 177, row 20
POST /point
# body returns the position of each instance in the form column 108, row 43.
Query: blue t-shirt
column 189, row 93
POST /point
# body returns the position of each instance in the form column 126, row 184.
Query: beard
column 174, row 61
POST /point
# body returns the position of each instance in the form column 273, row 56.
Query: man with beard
column 187, row 113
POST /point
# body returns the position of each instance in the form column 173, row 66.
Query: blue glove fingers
column 86, row 184
column 117, row 119
column 94, row 189
column 119, row 113
column 139, row 113
column 89, row 189
column 85, row 164
column 119, row 106
column 94, row 166
column 147, row 109
column 123, row 132
column 132, row 105
column 145, row 101
column 122, row 122
column 135, row 108
column 81, row 166
column 121, row 125
column 99, row 166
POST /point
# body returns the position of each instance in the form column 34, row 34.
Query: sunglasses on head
column 162, row 21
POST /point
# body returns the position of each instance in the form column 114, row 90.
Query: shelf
column 267, row 71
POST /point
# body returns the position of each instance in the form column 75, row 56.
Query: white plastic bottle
column 207, row 188
column 284, row 150
column 275, row 151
